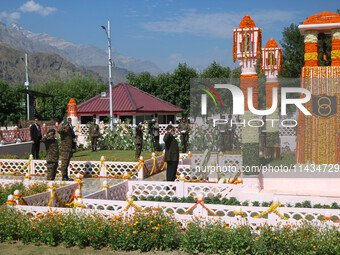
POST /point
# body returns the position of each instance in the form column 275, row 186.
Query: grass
column 110, row 155
column 17, row 248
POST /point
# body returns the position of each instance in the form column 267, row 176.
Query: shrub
column 8, row 189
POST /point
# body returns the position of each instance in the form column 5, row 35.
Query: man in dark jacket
column 171, row 153
column 139, row 140
column 94, row 134
column 35, row 131
column 65, row 149
column 52, row 156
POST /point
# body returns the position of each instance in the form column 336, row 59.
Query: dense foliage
column 293, row 49
column 10, row 108
column 175, row 87
column 79, row 88
column 6, row 190
column 151, row 231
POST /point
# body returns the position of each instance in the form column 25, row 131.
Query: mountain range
column 81, row 56
column 42, row 67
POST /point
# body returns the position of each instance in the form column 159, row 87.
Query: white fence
column 108, row 169
column 254, row 216
column 118, row 200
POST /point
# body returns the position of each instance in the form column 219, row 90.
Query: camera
column 151, row 127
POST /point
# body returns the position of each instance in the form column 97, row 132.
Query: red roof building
column 128, row 102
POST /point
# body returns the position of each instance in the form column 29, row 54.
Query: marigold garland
column 247, row 30
column 270, row 60
column 335, row 54
column 318, row 137
column 322, row 18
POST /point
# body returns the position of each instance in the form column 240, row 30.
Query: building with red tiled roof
column 128, row 102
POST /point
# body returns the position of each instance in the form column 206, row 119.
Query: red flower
column 91, row 238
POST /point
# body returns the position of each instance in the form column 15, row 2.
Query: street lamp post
column 26, row 85
column 108, row 34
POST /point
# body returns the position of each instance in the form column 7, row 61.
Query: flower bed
column 146, row 231
column 8, row 189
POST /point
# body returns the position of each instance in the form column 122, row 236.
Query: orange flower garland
column 318, row 137
column 268, row 60
column 311, row 54
column 323, row 18
column 335, row 52
column 247, row 29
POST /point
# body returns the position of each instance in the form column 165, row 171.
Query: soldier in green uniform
column 66, row 149
column 184, row 128
column 230, row 134
column 156, row 133
column 94, row 134
column 139, row 139
column 52, row 156
column 171, row 153
column 222, row 129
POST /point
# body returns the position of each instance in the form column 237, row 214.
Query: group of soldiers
column 154, row 133
column 153, row 128
column 67, row 137
column 227, row 132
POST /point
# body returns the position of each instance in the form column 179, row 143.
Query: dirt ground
column 18, row 248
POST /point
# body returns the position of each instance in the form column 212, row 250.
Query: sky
column 165, row 32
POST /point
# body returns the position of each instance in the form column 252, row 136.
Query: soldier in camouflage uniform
column 222, row 129
column 139, row 140
column 94, row 134
column 156, row 134
column 52, row 156
column 66, row 149
column 184, row 128
column 230, row 133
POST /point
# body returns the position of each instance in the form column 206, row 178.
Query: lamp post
column 108, row 34
column 26, row 85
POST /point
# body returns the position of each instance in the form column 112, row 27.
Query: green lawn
column 110, row 155
column 18, row 248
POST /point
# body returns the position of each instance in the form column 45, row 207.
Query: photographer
column 153, row 127
column 74, row 144
column 94, row 134
column 139, row 140
column 230, row 133
column 184, row 128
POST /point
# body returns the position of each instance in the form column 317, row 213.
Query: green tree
column 215, row 71
column 143, row 81
column 179, row 89
column 9, row 105
column 79, row 88
column 293, row 50
column 173, row 88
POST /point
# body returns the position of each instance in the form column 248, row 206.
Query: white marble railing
column 44, row 199
column 186, row 212
column 102, row 168
column 155, row 188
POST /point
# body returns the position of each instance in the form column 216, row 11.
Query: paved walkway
column 18, row 149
